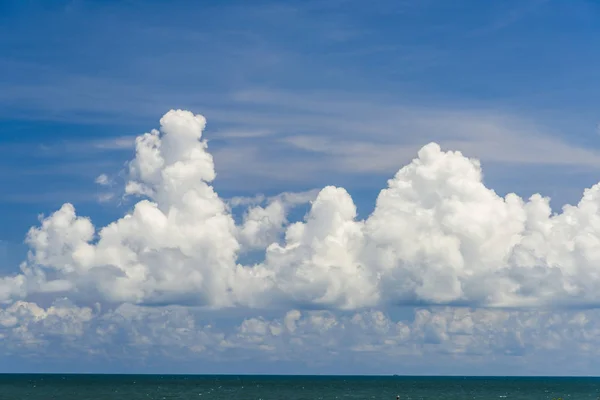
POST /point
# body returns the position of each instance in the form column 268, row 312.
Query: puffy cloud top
column 437, row 235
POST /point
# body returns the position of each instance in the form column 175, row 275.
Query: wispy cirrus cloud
column 264, row 138
column 331, row 132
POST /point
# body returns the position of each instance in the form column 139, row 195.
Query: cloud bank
column 458, row 340
column 437, row 236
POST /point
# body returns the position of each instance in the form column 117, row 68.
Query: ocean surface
column 130, row 387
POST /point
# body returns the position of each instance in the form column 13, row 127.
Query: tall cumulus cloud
column 437, row 236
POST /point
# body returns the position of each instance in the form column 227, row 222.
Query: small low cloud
column 105, row 197
column 118, row 143
column 102, row 180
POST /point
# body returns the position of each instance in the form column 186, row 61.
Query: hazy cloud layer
column 311, row 339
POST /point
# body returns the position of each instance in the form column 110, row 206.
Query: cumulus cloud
column 262, row 225
column 436, row 236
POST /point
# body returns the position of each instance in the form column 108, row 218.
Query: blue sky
column 297, row 95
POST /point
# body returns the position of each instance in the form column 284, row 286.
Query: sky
column 327, row 187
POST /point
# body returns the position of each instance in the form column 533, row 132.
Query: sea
column 203, row 387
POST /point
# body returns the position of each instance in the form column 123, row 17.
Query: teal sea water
column 131, row 387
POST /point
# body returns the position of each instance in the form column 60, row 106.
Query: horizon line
column 297, row 375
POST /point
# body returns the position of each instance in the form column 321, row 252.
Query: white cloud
column 263, row 225
column 450, row 335
column 88, row 147
column 118, row 143
column 105, row 197
column 437, row 236
column 102, row 180
column 243, row 134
